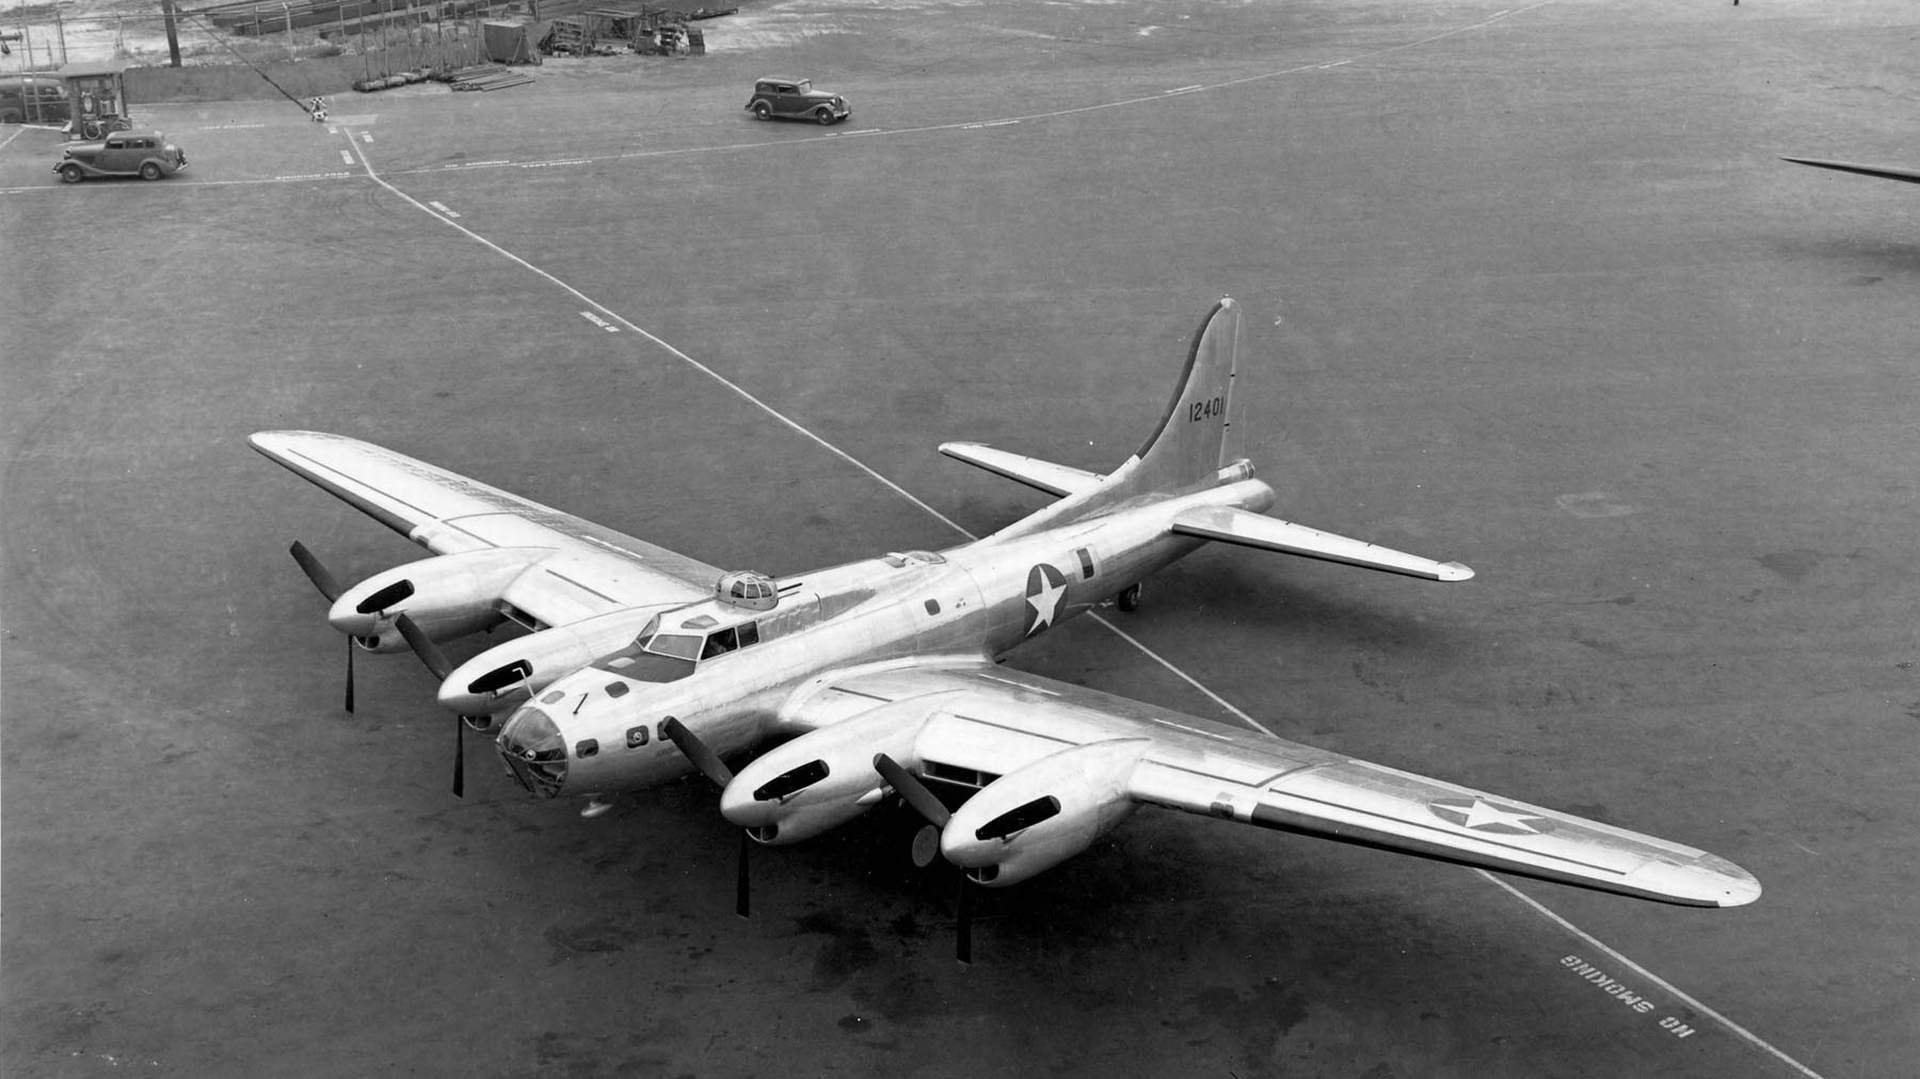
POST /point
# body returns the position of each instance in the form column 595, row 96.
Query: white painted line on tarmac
column 1738, row 1031
column 366, row 137
column 346, row 157
column 441, row 207
column 555, row 164
column 311, row 176
column 597, row 320
column 1185, row 89
column 616, row 317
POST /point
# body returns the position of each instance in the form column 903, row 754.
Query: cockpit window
column 648, row 667
column 681, row 645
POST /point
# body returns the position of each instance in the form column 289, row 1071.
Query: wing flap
column 1058, row 480
column 1227, row 524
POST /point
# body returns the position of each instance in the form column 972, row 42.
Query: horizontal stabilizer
column 1248, row 529
column 1058, row 480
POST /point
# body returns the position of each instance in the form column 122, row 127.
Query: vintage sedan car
column 140, row 152
column 796, row 99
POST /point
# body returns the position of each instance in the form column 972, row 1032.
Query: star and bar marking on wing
column 1046, row 588
column 1480, row 815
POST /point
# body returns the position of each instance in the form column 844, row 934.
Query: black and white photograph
column 924, row 539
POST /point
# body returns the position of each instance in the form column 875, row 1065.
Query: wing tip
column 1454, row 571
column 1706, row 881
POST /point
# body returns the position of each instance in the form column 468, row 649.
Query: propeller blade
column 349, row 675
column 963, row 922
column 740, row 879
column 914, row 791
column 423, row 647
column 702, row 755
column 325, row 581
column 459, row 755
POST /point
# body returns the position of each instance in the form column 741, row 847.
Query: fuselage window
column 933, row 606
column 554, row 697
column 617, row 689
column 749, row 633
column 586, row 747
column 720, row 643
column 636, row 736
column 1086, row 562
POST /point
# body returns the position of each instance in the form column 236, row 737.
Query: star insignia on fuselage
column 1480, row 815
column 1046, row 589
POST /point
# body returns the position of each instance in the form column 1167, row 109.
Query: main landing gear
column 1129, row 598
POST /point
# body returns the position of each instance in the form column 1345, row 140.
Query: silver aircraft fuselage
column 596, row 731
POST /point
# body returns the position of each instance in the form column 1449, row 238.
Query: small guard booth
column 98, row 96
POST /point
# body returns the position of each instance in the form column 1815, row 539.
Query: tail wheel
column 825, row 116
column 762, row 111
column 1129, row 598
column 71, row 174
column 149, row 171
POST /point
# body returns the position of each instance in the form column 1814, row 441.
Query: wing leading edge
column 993, row 722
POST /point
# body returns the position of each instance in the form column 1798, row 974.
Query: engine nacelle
column 1035, row 818
column 509, row 673
column 447, row 596
column 823, row 779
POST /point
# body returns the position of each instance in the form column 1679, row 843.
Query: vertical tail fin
column 1194, row 440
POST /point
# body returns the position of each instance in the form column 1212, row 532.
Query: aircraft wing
column 593, row 569
column 993, row 721
column 1884, row 172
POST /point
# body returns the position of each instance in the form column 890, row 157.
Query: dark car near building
column 138, row 152
column 34, row 99
column 796, row 99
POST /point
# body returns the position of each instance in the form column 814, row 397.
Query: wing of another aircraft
column 1883, row 172
column 591, row 569
column 1042, row 750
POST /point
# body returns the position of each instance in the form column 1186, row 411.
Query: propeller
column 329, row 586
column 931, row 807
column 437, row 662
column 711, row 766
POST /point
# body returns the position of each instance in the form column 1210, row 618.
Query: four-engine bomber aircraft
column 881, row 675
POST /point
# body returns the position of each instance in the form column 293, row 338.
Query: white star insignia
column 1045, row 603
column 1480, row 814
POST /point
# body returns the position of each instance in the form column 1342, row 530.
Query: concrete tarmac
column 1526, row 287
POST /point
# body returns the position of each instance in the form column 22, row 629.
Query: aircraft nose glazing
column 534, row 750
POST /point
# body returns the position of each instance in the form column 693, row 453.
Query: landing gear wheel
column 1129, row 598
column 149, row 171
column 762, row 111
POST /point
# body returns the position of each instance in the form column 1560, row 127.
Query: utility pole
column 173, row 34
